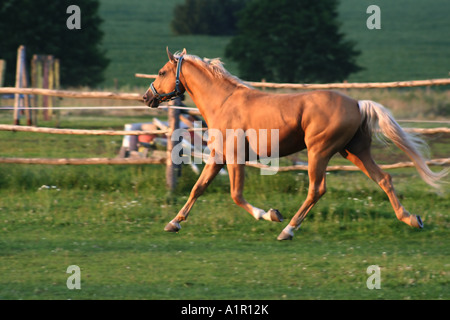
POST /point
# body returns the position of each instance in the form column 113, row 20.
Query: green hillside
column 137, row 33
column 413, row 42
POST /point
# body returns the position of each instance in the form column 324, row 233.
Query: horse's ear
column 184, row 52
column 170, row 55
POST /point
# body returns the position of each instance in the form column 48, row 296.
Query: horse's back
column 329, row 108
column 318, row 108
column 324, row 119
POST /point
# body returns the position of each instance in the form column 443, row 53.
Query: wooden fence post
column 45, row 74
column 2, row 71
column 56, row 85
column 172, row 170
column 2, row 74
column 21, row 82
column 18, row 84
column 36, row 82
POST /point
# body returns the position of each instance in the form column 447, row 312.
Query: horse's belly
column 289, row 147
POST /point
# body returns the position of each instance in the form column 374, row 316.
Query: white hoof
column 287, row 233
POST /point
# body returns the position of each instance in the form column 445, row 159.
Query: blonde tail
column 374, row 114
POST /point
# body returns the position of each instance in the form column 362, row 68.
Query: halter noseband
column 171, row 95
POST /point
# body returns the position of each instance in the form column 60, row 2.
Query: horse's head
column 167, row 85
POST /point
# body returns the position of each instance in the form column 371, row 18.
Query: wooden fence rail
column 83, row 161
column 74, row 94
column 396, row 84
column 138, row 97
column 17, row 128
column 164, row 160
column 345, row 85
column 168, row 131
column 435, row 162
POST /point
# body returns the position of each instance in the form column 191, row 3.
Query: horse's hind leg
column 362, row 158
column 237, row 177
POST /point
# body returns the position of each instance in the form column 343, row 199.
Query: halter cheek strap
column 171, row 95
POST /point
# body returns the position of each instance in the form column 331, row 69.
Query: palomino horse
column 323, row 122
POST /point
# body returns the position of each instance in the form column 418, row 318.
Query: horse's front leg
column 209, row 172
column 237, row 175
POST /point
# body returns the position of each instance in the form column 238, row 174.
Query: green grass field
column 109, row 221
column 412, row 43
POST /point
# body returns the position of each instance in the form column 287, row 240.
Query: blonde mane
column 215, row 66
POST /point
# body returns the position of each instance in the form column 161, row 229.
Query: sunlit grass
column 109, row 221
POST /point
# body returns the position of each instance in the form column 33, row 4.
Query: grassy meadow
column 109, row 220
column 412, row 43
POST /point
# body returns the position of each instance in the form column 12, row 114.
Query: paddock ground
column 109, row 221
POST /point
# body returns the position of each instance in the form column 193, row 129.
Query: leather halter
column 171, row 95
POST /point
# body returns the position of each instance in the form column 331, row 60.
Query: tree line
column 279, row 41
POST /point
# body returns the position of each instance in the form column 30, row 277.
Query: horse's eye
column 161, row 73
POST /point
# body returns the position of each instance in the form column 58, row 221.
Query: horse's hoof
column 285, row 236
column 172, row 226
column 287, row 233
column 275, row 215
column 416, row 221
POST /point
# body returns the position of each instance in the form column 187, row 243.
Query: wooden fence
column 167, row 159
column 45, row 73
column 2, row 71
column 344, row 85
column 173, row 121
column 73, row 94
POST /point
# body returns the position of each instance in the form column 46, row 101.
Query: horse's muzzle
column 150, row 100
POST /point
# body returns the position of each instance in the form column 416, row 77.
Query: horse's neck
column 208, row 92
